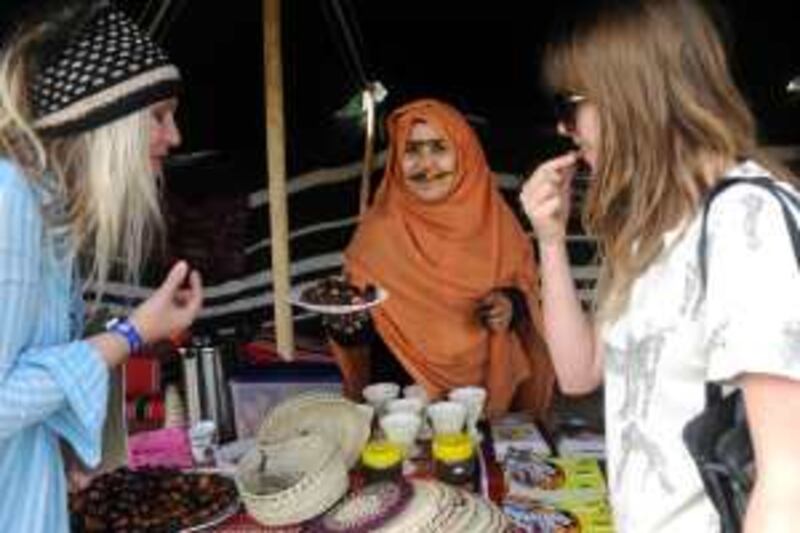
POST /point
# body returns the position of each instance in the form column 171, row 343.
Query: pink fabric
column 164, row 447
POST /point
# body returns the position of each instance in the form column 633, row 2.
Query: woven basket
column 312, row 477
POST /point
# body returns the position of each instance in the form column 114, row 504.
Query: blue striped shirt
column 52, row 388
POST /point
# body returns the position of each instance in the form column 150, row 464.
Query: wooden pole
column 276, row 178
column 369, row 143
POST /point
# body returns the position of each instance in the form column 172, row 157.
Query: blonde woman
column 645, row 93
column 86, row 118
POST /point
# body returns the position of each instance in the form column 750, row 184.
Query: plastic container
column 454, row 459
column 382, row 461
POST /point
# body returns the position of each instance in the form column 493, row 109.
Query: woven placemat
column 365, row 510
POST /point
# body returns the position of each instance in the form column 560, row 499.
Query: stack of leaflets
column 550, row 479
column 556, row 494
column 518, row 432
column 565, row 516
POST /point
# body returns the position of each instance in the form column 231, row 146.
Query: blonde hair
column 657, row 72
column 110, row 209
column 112, row 196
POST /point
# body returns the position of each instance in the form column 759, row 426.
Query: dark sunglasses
column 565, row 106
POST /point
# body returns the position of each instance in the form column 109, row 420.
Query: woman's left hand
column 495, row 311
column 173, row 307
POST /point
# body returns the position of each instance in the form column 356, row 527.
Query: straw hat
column 292, row 481
column 338, row 420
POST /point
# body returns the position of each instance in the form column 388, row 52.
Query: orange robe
column 437, row 260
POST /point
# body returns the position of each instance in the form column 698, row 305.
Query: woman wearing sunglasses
column 646, row 95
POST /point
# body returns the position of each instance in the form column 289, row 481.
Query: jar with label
column 454, row 459
column 382, row 461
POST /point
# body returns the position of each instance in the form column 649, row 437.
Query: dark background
column 480, row 56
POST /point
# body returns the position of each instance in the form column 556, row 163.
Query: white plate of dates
column 334, row 295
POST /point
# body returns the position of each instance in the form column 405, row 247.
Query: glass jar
column 454, row 459
column 382, row 461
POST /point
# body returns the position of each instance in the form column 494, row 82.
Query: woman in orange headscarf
column 464, row 305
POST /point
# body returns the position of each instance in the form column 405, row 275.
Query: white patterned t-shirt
column 669, row 341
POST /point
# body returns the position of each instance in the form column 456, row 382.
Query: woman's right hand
column 545, row 197
column 172, row 308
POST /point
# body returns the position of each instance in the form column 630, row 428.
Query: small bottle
column 174, row 408
column 454, row 459
column 382, row 461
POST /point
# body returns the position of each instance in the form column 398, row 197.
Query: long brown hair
column 657, row 72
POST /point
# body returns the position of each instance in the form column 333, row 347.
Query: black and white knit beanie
column 106, row 71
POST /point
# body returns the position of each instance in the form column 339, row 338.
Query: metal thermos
column 207, row 391
column 191, row 384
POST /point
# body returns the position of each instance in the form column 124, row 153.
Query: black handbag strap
column 784, row 197
column 787, row 201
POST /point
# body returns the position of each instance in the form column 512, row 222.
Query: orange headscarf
column 437, row 260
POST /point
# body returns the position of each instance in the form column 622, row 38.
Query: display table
column 489, row 484
column 580, row 498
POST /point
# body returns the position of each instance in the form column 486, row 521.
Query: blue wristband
column 123, row 326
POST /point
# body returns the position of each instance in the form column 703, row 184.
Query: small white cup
column 473, row 398
column 402, row 428
column 416, row 391
column 405, row 405
column 202, row 436
column 447, row 417
column 378, row 394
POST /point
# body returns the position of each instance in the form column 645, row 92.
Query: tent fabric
column 323, row 211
